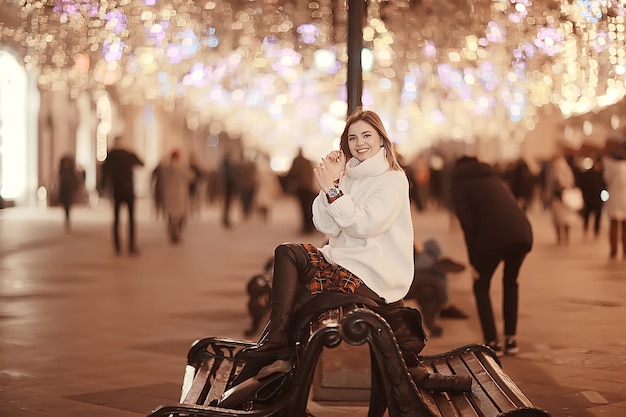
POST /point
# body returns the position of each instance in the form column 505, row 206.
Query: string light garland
column 456, row 68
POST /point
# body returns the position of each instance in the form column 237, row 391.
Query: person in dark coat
column 68, row 186
column 592, row 184
column 228, row 178
column 496, row 230
column 522, row 183
column 117, row 174
column 300, row 182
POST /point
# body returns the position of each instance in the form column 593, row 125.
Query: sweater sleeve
column 321, row 219
column 377, row 213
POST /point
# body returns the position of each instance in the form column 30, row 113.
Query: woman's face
column 363, row 140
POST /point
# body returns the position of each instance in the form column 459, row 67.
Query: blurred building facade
column 501, row 79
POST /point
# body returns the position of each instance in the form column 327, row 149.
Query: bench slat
column 432, row 402
column 222, row 376
column 503, row 401
column 487, row 396
column 460, row 401
column 505, row 383
column 199, row 381
column 443, row 404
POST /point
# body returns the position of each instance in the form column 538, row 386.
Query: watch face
column 333, row 192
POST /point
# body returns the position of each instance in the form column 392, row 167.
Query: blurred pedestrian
column 522, row 183
column 592, row 185
column 117, row 174
column 418, row 173
column 615, row 176
column 560, row 177
column 176, row 178
column 194, row 189
column 496, row 230
column 430, row 284
column 246, row 185
column 300, row 183
column 68, row 186
column 227, row 177
column 268, row 186
column 156, row 182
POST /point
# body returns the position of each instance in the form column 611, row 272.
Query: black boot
column 291, row 267
column 276, row 341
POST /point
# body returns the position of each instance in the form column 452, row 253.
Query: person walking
column 175, row 179
column 300, row 182
column 195, row 204
column 117, row 175
column 363, row 207
column 156, row 185
column 68, row 186
column 227, row 177
column 592, row 184
column 246, row 186
column 559, row 178
column 496, row 230
column 268, row 187
column 615, row 207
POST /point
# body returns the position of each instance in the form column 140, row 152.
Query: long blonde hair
column 374, row 120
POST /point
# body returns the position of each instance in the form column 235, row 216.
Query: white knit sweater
column 370, row 229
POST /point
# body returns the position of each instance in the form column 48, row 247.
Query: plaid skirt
column 329, row 277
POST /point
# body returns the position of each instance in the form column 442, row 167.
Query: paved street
column 86, row 333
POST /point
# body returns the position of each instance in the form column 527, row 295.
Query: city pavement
column 86, row 333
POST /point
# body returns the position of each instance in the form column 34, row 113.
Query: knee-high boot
column 291, row 267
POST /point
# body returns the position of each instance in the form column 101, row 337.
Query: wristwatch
column 333, row 192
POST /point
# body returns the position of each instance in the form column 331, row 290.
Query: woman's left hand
column 329, row 169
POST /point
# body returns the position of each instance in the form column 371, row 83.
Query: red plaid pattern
column 329, row 277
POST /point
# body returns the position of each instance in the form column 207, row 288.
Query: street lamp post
column 356, row 15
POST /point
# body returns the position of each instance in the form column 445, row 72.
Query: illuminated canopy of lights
column 434, row 66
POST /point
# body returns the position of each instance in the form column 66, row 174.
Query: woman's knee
column 293, row 253
column 286, row 250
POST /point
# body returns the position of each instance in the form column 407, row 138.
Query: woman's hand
column 329, row 169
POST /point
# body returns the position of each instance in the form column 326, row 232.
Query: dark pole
column 356, row 14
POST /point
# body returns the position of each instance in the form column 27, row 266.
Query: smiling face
column 363, row 140
column 365, row 132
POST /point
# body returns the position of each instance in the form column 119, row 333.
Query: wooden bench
column 493, row 392
column 210, row 386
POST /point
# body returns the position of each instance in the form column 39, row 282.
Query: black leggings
column 292, row 272
column 130, row 205
column 513, row 256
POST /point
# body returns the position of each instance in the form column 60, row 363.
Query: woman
column 175, row 178
column 560, row 177
column 363, row 207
